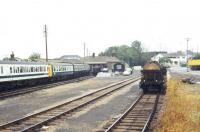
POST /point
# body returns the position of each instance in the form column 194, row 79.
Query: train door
column 50, row 72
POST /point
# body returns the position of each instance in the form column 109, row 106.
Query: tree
column 133, row 55
column 34, row 56
column 137, row 48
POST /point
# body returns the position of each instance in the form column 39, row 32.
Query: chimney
column 12, row 56
column 93, row 55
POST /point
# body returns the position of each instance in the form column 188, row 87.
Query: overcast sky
column 158, row 24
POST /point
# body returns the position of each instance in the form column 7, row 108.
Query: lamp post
column 45, row 33
column 187, row 39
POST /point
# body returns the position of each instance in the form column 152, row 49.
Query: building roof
column 100, row 59
column 88, row 60
column 68, row 57
column 174, row 54
column 72, row 61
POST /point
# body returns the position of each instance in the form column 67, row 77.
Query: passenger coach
column 15, row 73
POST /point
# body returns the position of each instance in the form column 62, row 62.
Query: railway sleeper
column 146, row 102
column 56, row 112
column 135, row 114
column 145, row 109
column 43, row 117
column 129, row 128
column 139, row 114
column 131, row 121
column 11, row 129
column 135, row 117
column 119, row 130
column 139, row 110
column 31, row 122
column 132, row 124
column 144, row 106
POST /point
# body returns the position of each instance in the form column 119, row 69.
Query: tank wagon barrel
column 153, row 77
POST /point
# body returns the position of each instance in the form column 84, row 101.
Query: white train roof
column 23, row 62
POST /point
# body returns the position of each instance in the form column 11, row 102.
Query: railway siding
column 37, row 120
column 138, row 116
column 27, row 104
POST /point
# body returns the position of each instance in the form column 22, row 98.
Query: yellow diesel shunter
column 194, row 64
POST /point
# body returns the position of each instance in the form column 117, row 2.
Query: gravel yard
column 19, row 106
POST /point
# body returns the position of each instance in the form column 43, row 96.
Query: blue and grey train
column 14, row 74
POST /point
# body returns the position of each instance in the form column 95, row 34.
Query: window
column 14, row 69
column 40, row 69
column 10, row 69
column 17, row 69
column 1, row 69
column 21, row 69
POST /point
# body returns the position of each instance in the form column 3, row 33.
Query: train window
column 21, row 70
column 1, row 69
column 10, row 69
column 15, row 69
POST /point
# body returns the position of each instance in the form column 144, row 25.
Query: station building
column 97, row 63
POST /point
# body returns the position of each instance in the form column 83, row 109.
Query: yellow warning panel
column 194, row 62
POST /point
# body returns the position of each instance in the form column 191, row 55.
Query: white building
column 177, row 58
column 157, row 57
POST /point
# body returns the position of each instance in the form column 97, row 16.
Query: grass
column 181, row 112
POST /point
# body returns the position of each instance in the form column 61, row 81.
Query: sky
column 158, row 24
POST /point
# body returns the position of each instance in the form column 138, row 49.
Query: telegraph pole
column 187, row 39
column 84, row 50
column 45, row 33
column 87, row 51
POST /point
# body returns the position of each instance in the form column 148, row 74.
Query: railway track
column 138, row 116
column 36, row 88
column 35, row 121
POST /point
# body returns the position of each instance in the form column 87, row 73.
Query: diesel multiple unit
column 14, row 73
column 153, row 77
